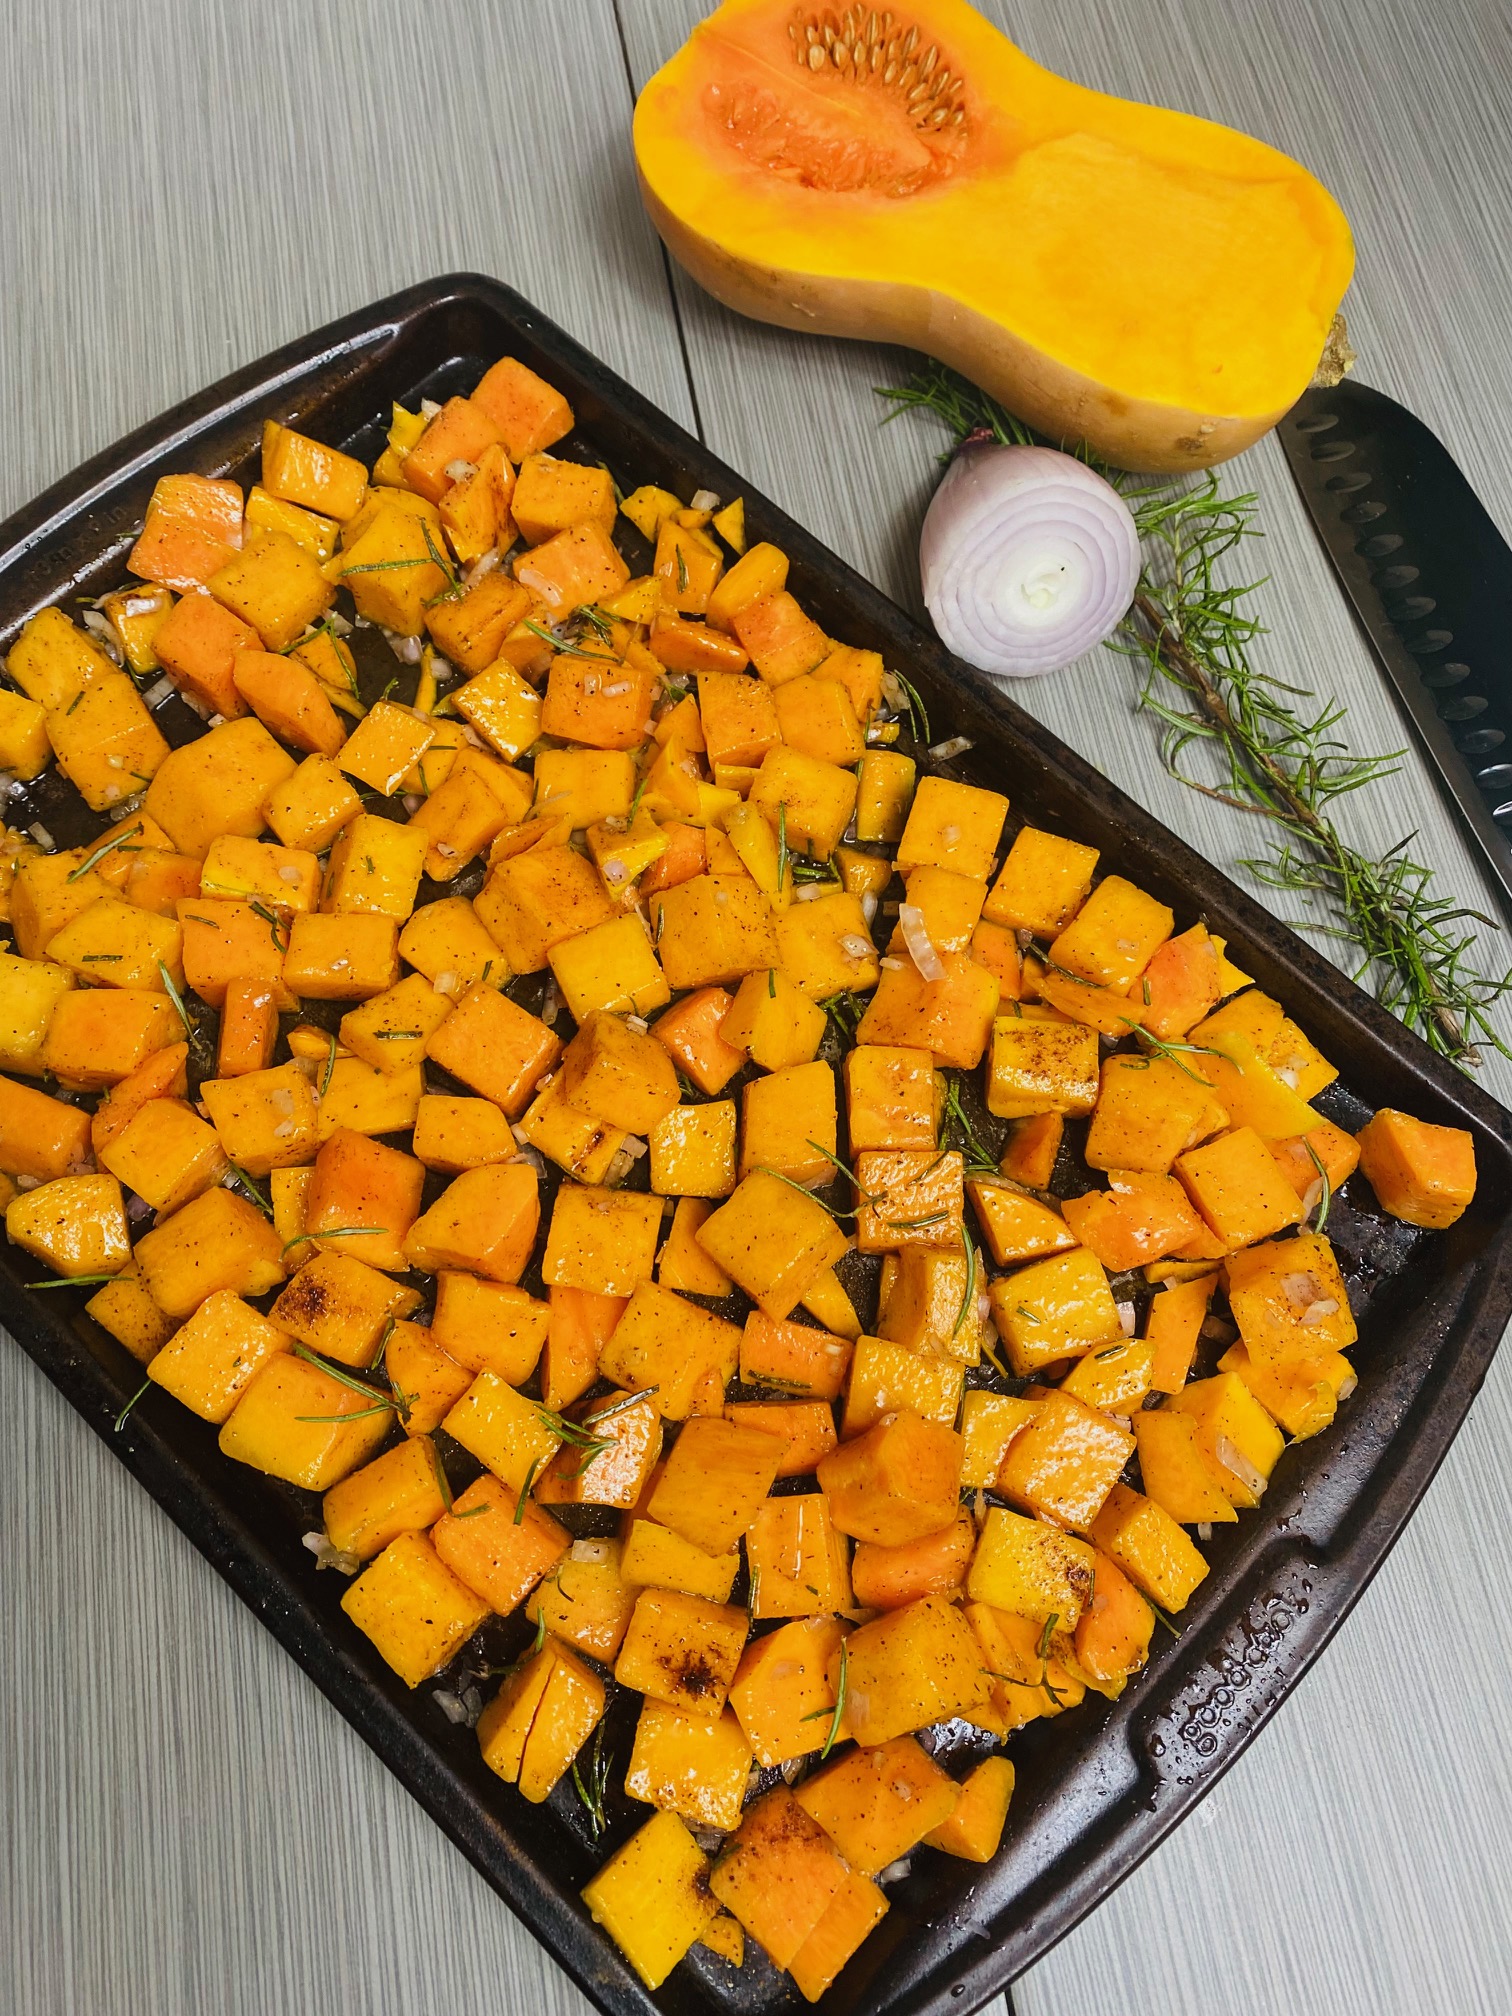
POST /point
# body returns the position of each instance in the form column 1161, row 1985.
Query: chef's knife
column 1430, row 578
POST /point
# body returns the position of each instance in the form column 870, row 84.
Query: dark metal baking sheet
column 1098, row 1788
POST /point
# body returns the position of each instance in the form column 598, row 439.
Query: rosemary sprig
column 274, row 923
column 522, row 1502
column 105, row 847
column 592, row 1793
column 807, row 868
column 1279, row 757
column 845, row 1011
column 330, row 1066
column 1044, row 1657
column 69, row 1281
column 258, row 1197
column 782, row 846
column 978, row 1158
column 177, row 999
column 120, row 1419
column 918, row 713
column 561, row 646
column 393, row 1401
column 969, row 1297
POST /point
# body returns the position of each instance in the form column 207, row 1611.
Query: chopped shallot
column 920, row 946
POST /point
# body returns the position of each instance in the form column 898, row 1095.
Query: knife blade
column 1430, row 578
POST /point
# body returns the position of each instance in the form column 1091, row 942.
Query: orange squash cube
column 217, row 1241
column 911, row 1667
column 1150, row 1547
column 398, row 1492
column 413, row 1608
column 337, row 1306
column 688, row 1765
column 1066, row 1461
column 778, row 1874
column 794, row 1357
column 682, row 1650
column 1237, row 1186
column 499, row 1557
column 898, row 1482
column 1421, row 1173
column 877, row 1804
column 484, row 1221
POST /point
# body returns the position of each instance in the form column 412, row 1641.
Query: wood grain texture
column 188, row 1826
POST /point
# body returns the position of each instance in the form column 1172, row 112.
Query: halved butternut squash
column 1152, row 284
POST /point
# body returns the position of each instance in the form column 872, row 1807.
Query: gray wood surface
column 186, row 1825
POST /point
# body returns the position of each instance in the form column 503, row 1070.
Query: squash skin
column 1075, row 351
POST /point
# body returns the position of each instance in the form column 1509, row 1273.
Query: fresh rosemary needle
column 1279, row 757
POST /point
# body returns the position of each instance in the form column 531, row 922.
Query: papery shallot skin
column 1028, row 558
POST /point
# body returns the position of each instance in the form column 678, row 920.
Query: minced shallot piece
column 920, row 945
column 1233, row 1459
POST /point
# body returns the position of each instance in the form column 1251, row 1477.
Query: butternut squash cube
column 24, row 746
column 1150, row 1547
column 53, row 660
column 502, row 707
column 1149, row 1110
column 485, row 1221
column 415, row 1611
column 805, row 1428
column 682, row 1650
column 390, row 1030
column 656, row 1557
column 851, row 1915
column 899, row 1481
column 893, row 1098
column 341, row 1308
column 989, row 1422
column 682, row 1264
column 398, row 1492
column 430, row 1380
column 618, row 1074
column 954, row 826
column 688, row 1765
column 790, row 1125
column 306, row 528
column 1043, row 884
column 772, row 1241
column 1032, row 1570
column 797, row 1558
column 107, row 744
column 295, row 1422
column 508, row 1434
column 447, row 942
column 1138, row 1219
column 217, row 1241
column 217, row 784
column 495, row 1048
column 1114, row 1378
column 783, row 1693
column 1236, row 1435
column 391, row 564
column 500, row 1558
column 1172, row 1329
column 1065, row 1462
column 793, row 1356
column 601, row 1240
column 885, row 1578
column 374, row 869
column 886, row 1376
column 488, row 1327
column 275, row 585
column 166, row 1154
column 713, row 1482
column 886, row 789
column 1239, row 1189
column 774, row 1022
column 76, row 1224
column 281, row 878
column 816, row 798
column 368, row 1101
column 1301, row 1395
column 362, row 1199
column 611, row 966
column 310, row 807
column 1421, row 1173
column 1113, row 935
column 287, row 697
column 911, row 1667
column 974, row 1829
column 43, row 1137
column 912, row 1197
column 116, row 944
column 778, row 1874
column 712, row 929
column 586, row 1603
column 952, row 1017
column 98, row 1036
column 877, row 1804
column 345, row 958
column 1017, row 1227
column 652, row 1898
column 665, row 1342
column 137, row 615
column 1056, row 1308
column 1177, row 1476
column 125, row 1309
column 1041, row 1067
column 30, row 990
column 265, row 1119
column 693, row 1153
column 586, row 1148
column 308, row 473
column 228, row 942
